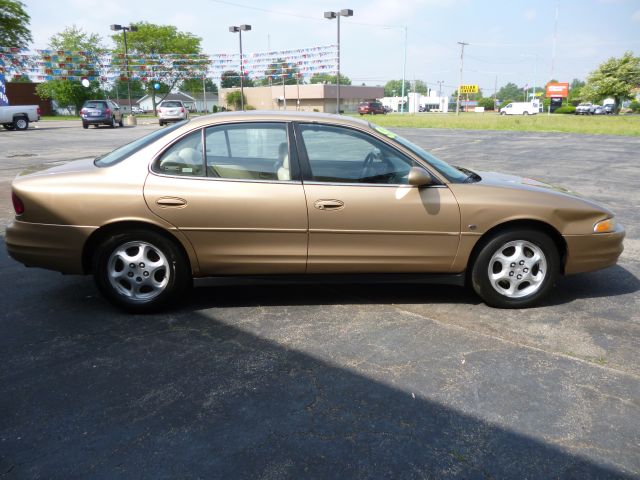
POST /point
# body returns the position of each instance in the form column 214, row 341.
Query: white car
column 137, row 110
column 171, row 111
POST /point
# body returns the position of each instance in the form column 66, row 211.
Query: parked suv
column 371, row 107
column 171, row 111
column 100, row 112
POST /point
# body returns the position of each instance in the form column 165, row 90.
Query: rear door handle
column 175, row 202
column 329, row 204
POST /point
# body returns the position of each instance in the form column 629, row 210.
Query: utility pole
column 404, row 70
column 555, row 39
column 462, row 44
column 495, row 95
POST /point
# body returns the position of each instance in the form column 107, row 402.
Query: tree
column 150, row 40
column 234, row 99
column 231, row 79
column 329, row 79
column 487, row 103
column 69, row 93
column 120, row 89
column 76, row 39
column 510, row 92
column 275, row 72
column 420, row 86
column 394, row 88
column 614, row 78
column 195, row 85
column 575, row 91
column 14, row 24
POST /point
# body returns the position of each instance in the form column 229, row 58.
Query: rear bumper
column 586, row 253
column 97, row 120
column 172, row 119
column 54, row 247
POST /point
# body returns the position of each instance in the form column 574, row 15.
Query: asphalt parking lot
column 326, row 381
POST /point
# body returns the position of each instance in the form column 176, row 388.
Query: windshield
column 450, row 173
column 123, row 152
column 171, row 104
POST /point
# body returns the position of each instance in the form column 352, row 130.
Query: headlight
column 605, row 226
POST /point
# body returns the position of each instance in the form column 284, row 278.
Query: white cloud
column 635, row 16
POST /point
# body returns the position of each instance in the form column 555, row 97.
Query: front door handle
column 329, row 205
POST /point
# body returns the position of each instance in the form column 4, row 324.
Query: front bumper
column 54, row 247
column 586, row 253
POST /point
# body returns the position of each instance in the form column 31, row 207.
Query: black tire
column 525, row 113
column 85, row 125
column 113, row 122
column 172, row 275
column 8, row 126
column 161, row 123
column 21, row 123
column 503, row 113
column 121, row 122
column 533, row 240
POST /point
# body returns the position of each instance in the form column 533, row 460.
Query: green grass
column 628, row 125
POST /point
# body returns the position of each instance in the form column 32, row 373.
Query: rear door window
column 248, row 151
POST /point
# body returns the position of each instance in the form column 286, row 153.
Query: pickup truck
column 18, row 117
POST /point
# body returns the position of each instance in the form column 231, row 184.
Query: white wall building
column 416, row 102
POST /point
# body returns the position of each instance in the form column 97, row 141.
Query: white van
column 521, row 108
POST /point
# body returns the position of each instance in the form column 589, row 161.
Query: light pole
column 345, row 12
column 239, row 30
column 125, row 29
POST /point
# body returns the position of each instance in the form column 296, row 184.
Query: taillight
column 39, row 112
column 107, row 112
column 182, row 109
column 18, row 206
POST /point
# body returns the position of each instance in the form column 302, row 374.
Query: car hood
column 513, row 181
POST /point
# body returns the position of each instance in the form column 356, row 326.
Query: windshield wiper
column 472, row 176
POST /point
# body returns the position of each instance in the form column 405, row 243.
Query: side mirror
column 419, row 177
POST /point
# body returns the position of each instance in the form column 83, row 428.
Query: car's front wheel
column 515, row 268
column 141, row 271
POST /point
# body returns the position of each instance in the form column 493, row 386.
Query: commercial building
column 308, row 98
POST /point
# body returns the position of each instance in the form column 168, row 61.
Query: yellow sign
column 468, row 88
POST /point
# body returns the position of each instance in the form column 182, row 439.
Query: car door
column 241, row 204
column 363, row 215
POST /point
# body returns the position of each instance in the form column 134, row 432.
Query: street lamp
column 125, row 29
column 239, row 30
column 345, row 12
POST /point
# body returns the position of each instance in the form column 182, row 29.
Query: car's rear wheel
column 113, row 122
column 21, row 123
column 121, row 121
column 141, row 271
column 161, row 123
column 85, row 125
column 515, row 268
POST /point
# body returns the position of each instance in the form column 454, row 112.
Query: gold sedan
column 296, row 195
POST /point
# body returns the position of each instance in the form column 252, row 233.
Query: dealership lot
column 411, row 381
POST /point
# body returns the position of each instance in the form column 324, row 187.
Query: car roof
column 277, row 116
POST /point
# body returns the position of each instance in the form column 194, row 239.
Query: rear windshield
column 95, row 105
column 125, row 151
column 171, row 104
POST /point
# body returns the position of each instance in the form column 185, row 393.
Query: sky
column 509, row 40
